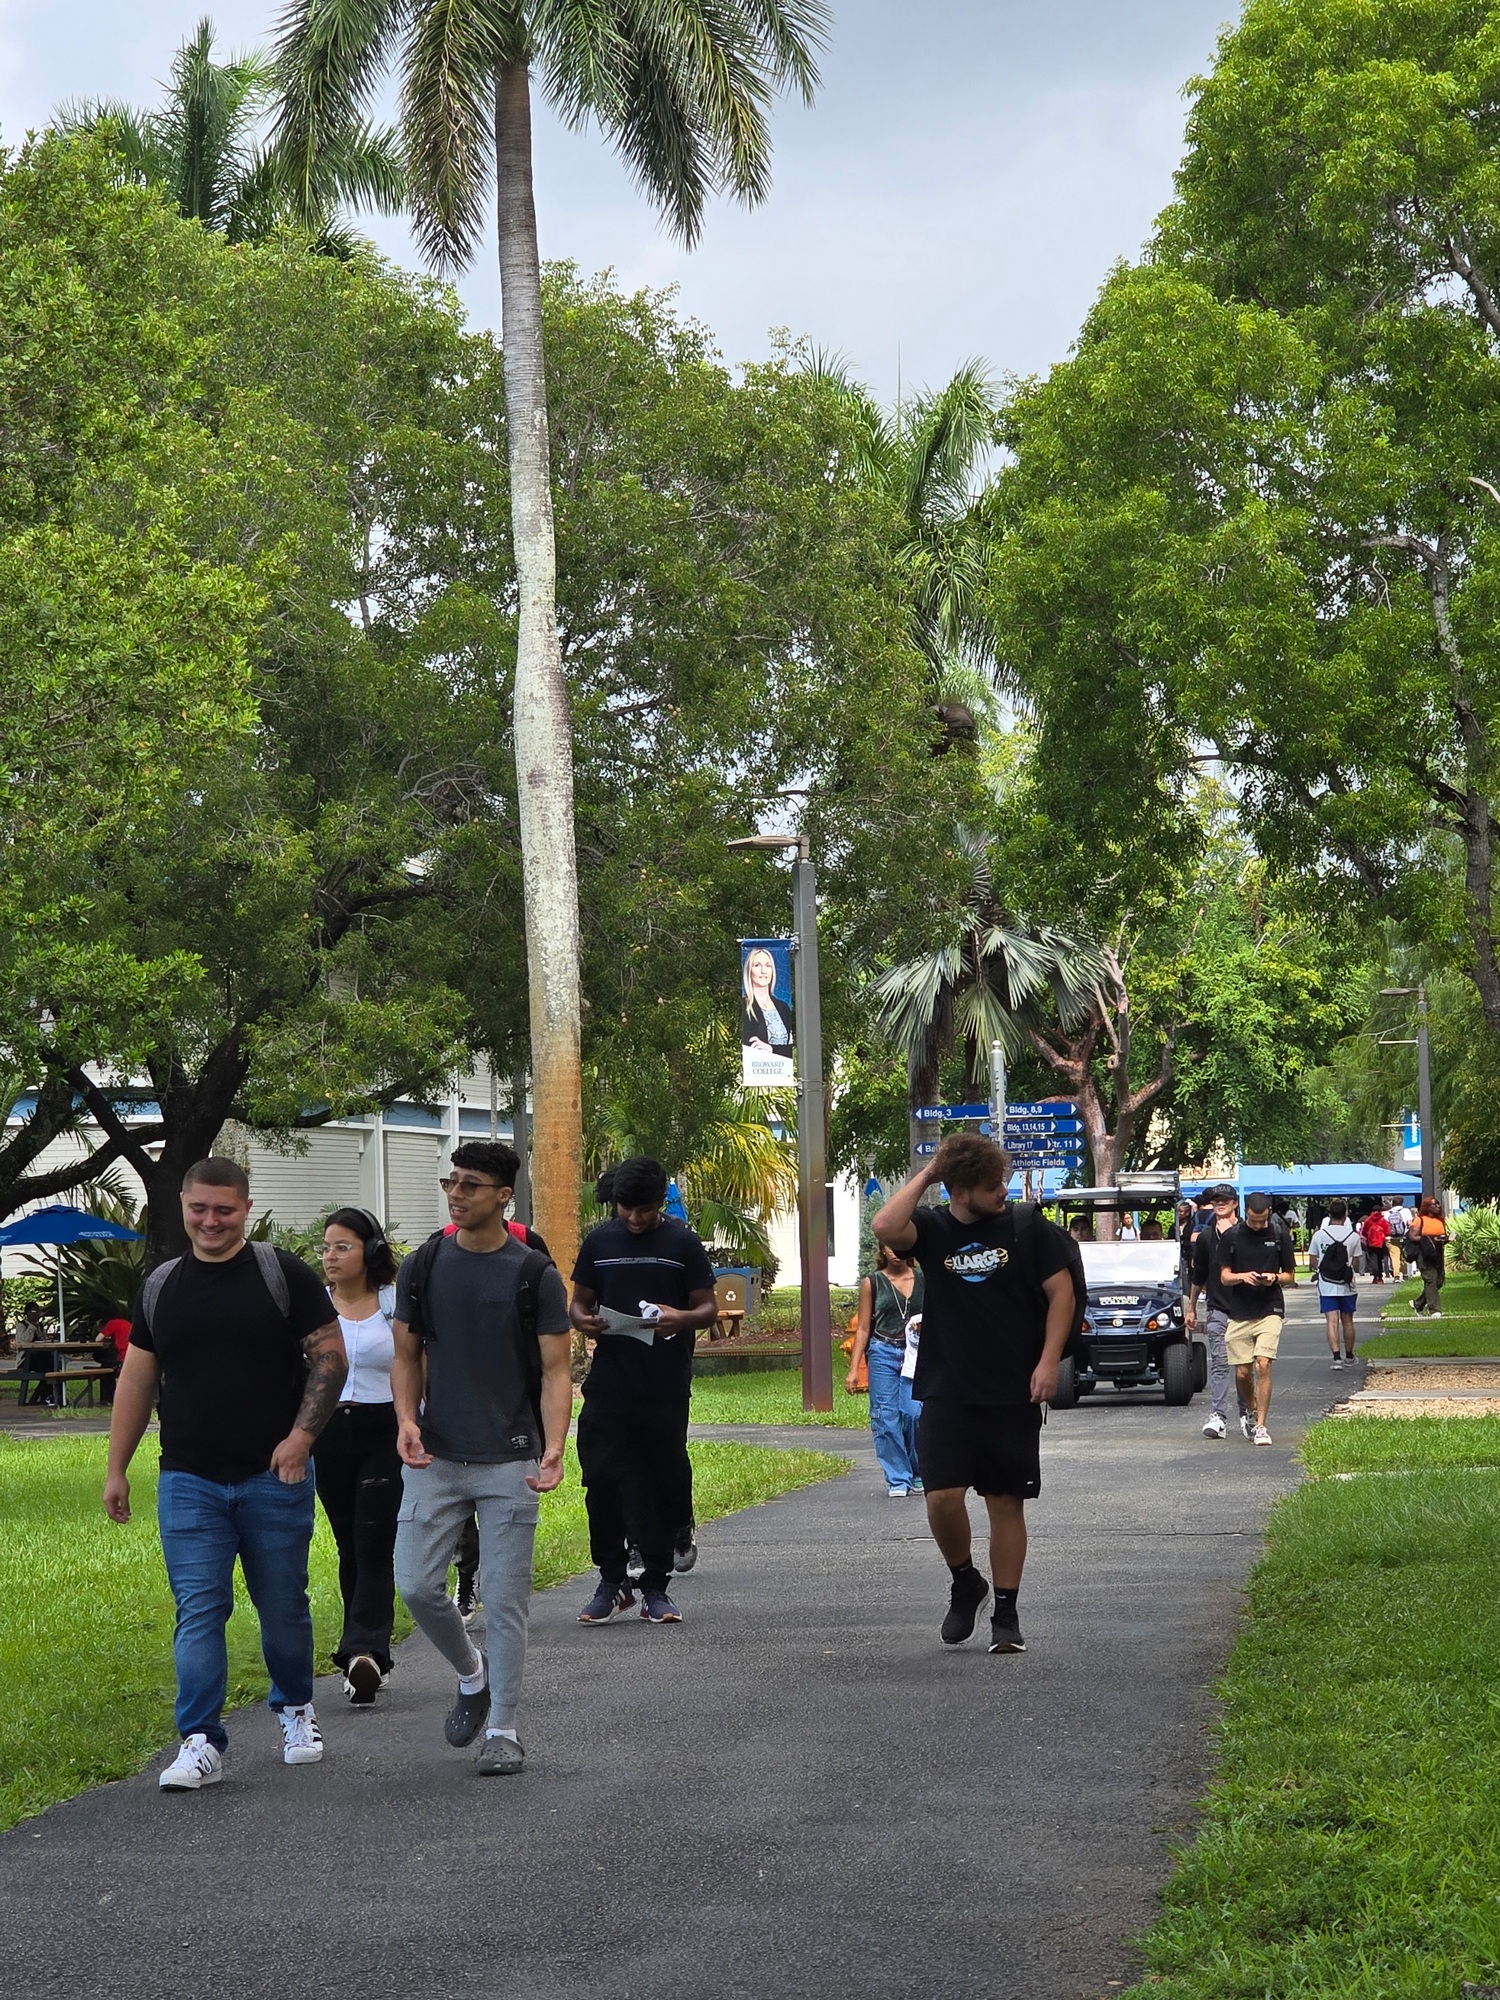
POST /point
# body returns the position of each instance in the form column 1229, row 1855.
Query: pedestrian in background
column 1399, row 1218
column 888, row 1298
column 358, row 1465
column 1427, row 1240
column 1374, row 1233
column 1330, row 1257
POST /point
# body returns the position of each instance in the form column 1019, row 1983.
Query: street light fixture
column 812, row 1139
column 1424, row 1081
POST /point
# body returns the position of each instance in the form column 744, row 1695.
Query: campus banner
column 767, row 1031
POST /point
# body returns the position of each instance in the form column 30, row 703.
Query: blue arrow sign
column 1019, row 1127
column 929, row 1113
column 1055, row 1107
column 925, row 1148
column 1042, row 1153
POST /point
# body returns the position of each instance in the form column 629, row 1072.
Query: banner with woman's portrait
column 767, row 1036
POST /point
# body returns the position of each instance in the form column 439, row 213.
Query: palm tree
column 201, row 148
column 999, row 979
column 928, row 458
column 682, row 88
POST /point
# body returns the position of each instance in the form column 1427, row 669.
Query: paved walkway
column 794, row 1794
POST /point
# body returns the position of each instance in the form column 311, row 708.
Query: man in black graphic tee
column 632, row 1435
column 997, row 1310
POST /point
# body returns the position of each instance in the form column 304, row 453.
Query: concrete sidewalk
column 796, row 1793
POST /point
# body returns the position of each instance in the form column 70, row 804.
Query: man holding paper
column 642, row 1287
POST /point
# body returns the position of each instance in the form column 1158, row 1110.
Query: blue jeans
column 893, row 1414
column 204, row 1526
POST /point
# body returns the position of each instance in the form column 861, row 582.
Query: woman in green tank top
column 888, row 1299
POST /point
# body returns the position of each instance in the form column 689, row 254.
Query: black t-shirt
column 232, row 1366
column 1246, row 1249
column 984, row 1316
column 661, row 1267
column 478, row 1409
column 1208, row 1254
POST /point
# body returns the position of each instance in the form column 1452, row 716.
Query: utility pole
column 520, row 1139
column 1424, row 1082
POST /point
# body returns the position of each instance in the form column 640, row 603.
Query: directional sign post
column 925, row 1148
column 952, row 1114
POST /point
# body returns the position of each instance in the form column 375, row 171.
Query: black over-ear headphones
column 375, row 1242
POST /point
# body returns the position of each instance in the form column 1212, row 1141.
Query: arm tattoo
column 326, row 1370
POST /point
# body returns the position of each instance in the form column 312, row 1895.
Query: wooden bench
column 88, row 1377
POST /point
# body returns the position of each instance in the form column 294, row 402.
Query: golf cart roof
column 1145, row 1190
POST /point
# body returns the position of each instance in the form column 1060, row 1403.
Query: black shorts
column 993, row 1448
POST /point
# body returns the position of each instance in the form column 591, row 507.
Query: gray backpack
column 267, row 1262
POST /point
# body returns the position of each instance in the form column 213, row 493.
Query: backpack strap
column 528, row 1303
column 273, row 1271
column 418, row 1279
column 152, row 1289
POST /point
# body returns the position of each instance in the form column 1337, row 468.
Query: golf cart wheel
column 1200, row 1366
column 1177, row 1372
column 1087, row 1388
column 1065, row 1396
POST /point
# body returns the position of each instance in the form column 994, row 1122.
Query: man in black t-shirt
column 1255, row 1261
column 483, row 1395
column 244, row 1350
column 1205, row 1282
column 997, row 1310
column 632, row 1435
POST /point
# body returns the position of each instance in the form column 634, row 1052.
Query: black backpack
column 1029, row 1220
column 1334, row 1263
column 528, row 1300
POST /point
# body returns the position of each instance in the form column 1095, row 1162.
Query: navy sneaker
column 969, row 1591
column 659, row 1608
column 605, row 1602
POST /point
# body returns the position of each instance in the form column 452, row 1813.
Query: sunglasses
column 451, row 1184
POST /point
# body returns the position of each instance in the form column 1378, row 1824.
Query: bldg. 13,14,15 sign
column 767, row 1027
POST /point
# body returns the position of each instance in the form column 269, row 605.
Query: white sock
column 473, row 1683
column 509, row 1734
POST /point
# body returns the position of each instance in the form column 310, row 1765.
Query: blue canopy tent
column 61, row 1225
column 1321, row 1181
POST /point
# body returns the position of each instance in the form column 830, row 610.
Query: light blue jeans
column 204, row 1526
column 893, row 1413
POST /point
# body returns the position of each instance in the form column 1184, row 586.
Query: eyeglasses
column 451, row 1184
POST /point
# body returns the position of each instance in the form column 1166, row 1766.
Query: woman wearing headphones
column 358, row 1469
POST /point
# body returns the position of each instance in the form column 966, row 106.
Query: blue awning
column 1338, row 1177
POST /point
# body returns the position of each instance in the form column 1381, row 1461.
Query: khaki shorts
column 1247, row 1339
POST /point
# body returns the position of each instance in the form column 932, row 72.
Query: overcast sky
column 969, row 174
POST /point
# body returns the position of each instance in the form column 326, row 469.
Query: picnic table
column 66, row 1372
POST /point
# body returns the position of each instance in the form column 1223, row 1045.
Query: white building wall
column 843, row 1256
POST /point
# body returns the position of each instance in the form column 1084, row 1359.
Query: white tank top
column 371, row 1348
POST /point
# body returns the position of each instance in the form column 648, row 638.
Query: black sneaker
column 466, row 1718
column 361, row 1680
column 466, row 1597
column 964, row 1599
column 659, row 1608
column 605, row 1602
column 1005, row 1633
column 684, row 1552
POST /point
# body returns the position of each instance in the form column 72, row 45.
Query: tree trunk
column 543, row 730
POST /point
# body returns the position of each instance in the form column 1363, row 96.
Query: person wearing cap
column 1222, row 1206
column 1257, row 1261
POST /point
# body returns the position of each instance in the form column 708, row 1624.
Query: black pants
column 359, row 1484
column 33, row 1370
column 632, row 1457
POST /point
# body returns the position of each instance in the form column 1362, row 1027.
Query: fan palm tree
column 999, row 979
column 201, row 147
column 682, row 89
column 928, row 458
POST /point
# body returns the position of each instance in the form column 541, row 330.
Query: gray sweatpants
column 1220, row 1374
column 436, row 1501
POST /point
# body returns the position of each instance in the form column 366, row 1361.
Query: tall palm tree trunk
column 543, row 733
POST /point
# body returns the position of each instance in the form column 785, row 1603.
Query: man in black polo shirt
column 245, row 1350
column 632, row 1435
column 998, row 1308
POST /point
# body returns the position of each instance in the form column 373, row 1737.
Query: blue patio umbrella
column 62, row 1225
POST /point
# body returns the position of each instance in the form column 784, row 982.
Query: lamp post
column 812, row 1141
column 1424, row 1082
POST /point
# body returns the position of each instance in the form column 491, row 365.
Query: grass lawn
column 86, row 1630
column 1470, row 1322
column 774, row 1396
column 1350, row 1848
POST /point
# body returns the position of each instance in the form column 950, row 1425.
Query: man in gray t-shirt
column 483, row 1393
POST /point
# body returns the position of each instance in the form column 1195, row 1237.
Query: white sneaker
column 1262, row 1435
column 1337, row 1361
column 897, row 1492
column 196, row 1764
column 1434, row 1315
column 302, row 1740
column 1247, row 1426
column 1215, row 1427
